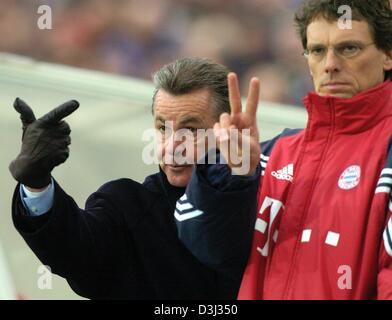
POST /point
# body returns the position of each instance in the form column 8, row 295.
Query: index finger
column 59, row 113
column 253, row 97
column 234, row 93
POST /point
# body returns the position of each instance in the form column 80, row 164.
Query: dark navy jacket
column 124, row 244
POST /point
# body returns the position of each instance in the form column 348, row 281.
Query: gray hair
column 189, row 74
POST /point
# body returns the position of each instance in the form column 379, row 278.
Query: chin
column 344, row 95
column 178, row 181
column 178, row 176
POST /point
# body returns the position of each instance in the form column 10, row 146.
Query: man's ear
column 388, row 61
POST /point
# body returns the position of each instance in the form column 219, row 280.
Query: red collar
column 353, row 115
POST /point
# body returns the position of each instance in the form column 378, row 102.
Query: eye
column 349, row 50
column 193, row 130
column 188, row 130
column 317, row 51
column 164, row 130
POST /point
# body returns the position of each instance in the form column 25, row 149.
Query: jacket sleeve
column 77, row 243
column 215, row 217
column 384, row 278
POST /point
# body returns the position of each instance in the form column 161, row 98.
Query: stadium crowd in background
column 251, row 37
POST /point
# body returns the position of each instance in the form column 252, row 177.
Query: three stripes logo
column 263, row 162
column 385, row 185
column 286, row 173
column 385, row 182
column 185, row 210
column 387, row 235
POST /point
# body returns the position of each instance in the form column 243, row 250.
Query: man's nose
column 172, row 143
column 332, row 62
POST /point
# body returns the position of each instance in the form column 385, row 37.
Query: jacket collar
column 159, row 184
column 172, row 193
column 353, row 115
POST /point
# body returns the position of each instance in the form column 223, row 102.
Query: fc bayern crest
column 350, row 178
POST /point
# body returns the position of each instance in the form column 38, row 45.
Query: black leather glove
column 44, row 144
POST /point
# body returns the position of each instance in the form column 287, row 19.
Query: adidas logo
column 284, row 174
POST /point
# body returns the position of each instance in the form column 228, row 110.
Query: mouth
column 335, row 86
column 177, row 167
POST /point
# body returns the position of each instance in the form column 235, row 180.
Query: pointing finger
column 62, row 111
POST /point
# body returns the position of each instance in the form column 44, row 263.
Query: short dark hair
column 377, row 13
column 190, row 74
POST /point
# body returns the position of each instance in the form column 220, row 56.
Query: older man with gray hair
column 124, row 243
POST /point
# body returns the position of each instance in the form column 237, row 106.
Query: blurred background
column 136, row 37
column 102, row 53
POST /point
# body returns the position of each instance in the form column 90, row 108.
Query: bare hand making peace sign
column 237, row 134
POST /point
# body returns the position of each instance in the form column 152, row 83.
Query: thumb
column 26, row 113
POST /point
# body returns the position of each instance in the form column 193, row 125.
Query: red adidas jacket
column 324, row 226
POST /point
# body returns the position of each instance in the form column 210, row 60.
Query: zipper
column 291, row 275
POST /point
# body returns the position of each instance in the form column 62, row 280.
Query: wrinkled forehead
column 323, row 31
column 194, row 108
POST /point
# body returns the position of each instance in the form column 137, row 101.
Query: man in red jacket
column 323, row 226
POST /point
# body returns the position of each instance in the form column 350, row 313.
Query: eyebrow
column 190, row 119
column 159, row 119
column 342, row 43
column 183, row 121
